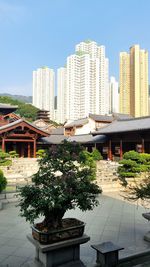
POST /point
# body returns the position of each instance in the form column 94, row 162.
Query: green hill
column 25, row 110
column 26, row 99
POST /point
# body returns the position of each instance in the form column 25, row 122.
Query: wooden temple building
column 125, row 135
column 112, row 140
column 18, row 134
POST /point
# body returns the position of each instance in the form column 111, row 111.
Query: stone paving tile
column 113, row 220
column 13, row 261
column 2, row 258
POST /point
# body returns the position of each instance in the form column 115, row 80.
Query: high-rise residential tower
column 134, row 82
column 114, row 95
column 87, row 82
column 61, row 94
column 43, row 89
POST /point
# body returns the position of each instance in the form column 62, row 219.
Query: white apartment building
column 61, row 94
column 43, row 89
column 83, row 85
column 87, row 81
column 114, row 95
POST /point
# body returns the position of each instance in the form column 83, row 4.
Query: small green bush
column 133, row 155
column 132, row 164
column 127, row 174
column 40, row 153
column 7, row 162
column 96, row 155
column 4, row 159
column 13, row 154
column 128, row 163
column 3, row 181
column 145, row 158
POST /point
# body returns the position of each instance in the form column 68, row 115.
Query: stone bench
column 107, row 254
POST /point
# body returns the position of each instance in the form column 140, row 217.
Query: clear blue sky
column 44, row 32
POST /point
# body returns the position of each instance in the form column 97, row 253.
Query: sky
column 36, row 33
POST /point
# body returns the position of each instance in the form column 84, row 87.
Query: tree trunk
column 53, row 218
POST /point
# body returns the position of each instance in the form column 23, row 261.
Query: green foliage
column 3, row 181
column 133, row 155
column 128, row 163
column 127, row 174
column 4, row 159
column 63, row 182
column 13, row 154
column 27, row 111
column 96, row 155
column 139, row 191
column 40, row 153
column 132, row 164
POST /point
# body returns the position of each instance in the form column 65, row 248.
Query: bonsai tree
column 3, row 181
column 64, row 181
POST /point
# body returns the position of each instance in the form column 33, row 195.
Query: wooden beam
column 22, row 150
column 11, row 135
column 121, row 152
column 143, row 146
column 19, row 140
column 29, row 150
column 34, row 148
column 109, row 150
column 3, row 144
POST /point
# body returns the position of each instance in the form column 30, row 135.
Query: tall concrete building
column 124, row 97
column 134, row 82
column 87, row 82
column 61, row 94
column 43, row 89
column 83, row 86
column 114, row 96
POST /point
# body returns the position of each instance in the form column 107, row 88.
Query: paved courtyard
column 113, row 220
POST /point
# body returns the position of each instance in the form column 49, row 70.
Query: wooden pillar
column 3, row 144
column 34, row 148
column 121, row 152
column 143, row 146
column 109, row 150
column 29, row 150
column 22, row 150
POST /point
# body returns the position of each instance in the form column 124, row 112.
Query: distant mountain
column 26, row 99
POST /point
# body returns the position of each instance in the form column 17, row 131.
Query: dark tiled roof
column 102, row 118
column 57, row 131
column 11, row 124
column 53, row 139
column 18, row 122
column 83, row 139
column 126, row 125
column 79, row 122
column 87, row 138
column 7, row 106
column 121, row 116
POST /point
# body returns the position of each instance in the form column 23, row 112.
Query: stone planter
column 76, row 229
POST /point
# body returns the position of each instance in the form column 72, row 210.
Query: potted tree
column 65, row 180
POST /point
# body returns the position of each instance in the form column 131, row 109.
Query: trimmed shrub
column 3, row 181
column 132, row 164
column 40, row 153
column 13, row 154
column 133, row 155
column 5, row 159
column 96, row 155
